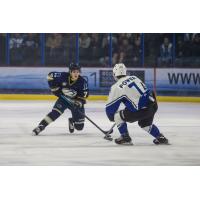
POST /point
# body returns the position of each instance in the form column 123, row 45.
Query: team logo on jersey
column 59, row 105
column 50, row 77
column 64, row 84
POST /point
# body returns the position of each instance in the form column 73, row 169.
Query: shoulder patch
column 50, row 77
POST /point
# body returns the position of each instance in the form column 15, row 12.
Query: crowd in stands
column 24, row 49
column 94, row 49
column 160, row 49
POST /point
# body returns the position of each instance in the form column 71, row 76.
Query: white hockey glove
column 69, row 92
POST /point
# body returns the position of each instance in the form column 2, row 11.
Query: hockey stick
column 106, row 133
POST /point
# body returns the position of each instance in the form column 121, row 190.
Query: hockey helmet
column 119, row 70
column 74, row 66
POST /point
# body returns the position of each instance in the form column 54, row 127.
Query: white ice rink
column 180, row 122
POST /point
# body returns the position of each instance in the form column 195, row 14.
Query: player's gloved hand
column 78, row 104
column 69, row 92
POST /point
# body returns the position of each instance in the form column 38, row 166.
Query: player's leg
column 71, row 125
column 56, row 112
column 130, row 116
column 124, row 116
column 77, row 121
column 145, row 118
column 122, row 127
column 152, row 129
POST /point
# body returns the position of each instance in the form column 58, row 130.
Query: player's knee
column 141, row 125
column 60, row 106
column 146, row 127
column 79, row 126
column 144, row 124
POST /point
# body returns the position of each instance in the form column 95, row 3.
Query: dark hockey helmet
column 74, row 66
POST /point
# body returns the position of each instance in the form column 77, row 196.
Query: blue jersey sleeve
column 55, row 80
column 112, row 108
column 83, row 90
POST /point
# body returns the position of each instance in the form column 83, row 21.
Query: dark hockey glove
column 56, row 91
column 78, row 104
column 154, row 101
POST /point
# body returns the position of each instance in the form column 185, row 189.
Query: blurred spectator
column 95, row 46
column 84, row 40
column 152, row 43
column 196, row 45
column 187, row 37
column 16, row 49
column 124, row 53
column 31, row 49
column 128, row 49
column 94, row 49
column 105, row 50
column 180, row 47
column 130, row 36
column 165, row 58
column 55, row 49
column 187, row 40
column 120, row 37
column 104, row 59
column 137, row 52
column 2, row 48
column 84, row 44
column 69, row 45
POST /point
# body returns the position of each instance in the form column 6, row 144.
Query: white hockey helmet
column 119, row 70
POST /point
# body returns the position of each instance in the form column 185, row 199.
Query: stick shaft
column 70, row 101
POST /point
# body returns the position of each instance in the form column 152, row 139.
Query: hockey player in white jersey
column 140, row 105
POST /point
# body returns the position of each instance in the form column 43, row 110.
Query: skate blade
column 126, row 144
column 34, row 134
column 167, row 144
column 163, row 144
column 71, row 131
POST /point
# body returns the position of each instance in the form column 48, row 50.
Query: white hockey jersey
column 130, row 91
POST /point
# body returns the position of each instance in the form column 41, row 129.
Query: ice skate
column 124, row 140
column 71, row 125
column 161, row 140
column 37, row 130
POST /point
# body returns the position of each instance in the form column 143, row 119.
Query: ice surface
column 180, row 122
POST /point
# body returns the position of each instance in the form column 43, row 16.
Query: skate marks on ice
column 55, row 146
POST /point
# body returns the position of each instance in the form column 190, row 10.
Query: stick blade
column 108, row 137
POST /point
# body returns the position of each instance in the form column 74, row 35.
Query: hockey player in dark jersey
column 71, row 85
column 140, row 105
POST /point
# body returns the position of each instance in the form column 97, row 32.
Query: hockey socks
column 152, row 130
column 52, row 116
column 122, row 128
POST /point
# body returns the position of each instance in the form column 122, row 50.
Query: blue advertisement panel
column 35, row 78
column 99, row 79
column 23, row 78
column 178, row 79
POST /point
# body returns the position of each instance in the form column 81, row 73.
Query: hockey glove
column 78, row 104
column 69, row 92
